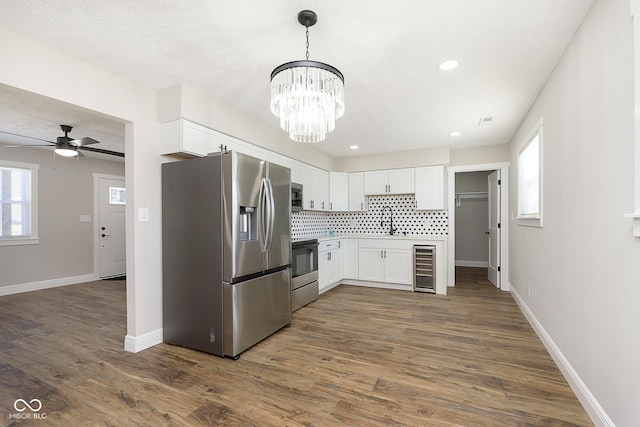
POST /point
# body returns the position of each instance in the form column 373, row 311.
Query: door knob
column 486, row 232
column 103, row 228
column 105, row 235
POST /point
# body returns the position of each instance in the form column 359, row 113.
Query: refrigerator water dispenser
column 248, row 223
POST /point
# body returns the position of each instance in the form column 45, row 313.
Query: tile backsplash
column 405, row 219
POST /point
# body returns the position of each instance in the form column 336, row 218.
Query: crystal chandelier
column 307, row 96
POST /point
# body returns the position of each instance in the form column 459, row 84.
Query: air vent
column 484, row 121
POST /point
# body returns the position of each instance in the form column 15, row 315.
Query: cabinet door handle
column 331, row 206
column 381, row 254
column 329, row 256
column 361, row 206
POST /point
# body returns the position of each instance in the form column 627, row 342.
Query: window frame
column 532, row 219
column 33, row 238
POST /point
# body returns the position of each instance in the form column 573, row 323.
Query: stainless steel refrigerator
column 226, row 252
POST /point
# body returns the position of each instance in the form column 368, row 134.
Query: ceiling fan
column 65, row 145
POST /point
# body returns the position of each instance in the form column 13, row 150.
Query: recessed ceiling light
column 448, row 65
column 354, row 147
column 456, row 133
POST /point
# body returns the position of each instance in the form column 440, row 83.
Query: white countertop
column 373, row 236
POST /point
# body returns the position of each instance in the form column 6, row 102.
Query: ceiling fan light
column 66, row 150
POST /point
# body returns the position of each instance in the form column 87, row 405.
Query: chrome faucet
column 391, row 229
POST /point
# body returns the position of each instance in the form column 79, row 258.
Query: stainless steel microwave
column 296, row 197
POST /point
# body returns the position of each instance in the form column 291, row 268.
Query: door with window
column 111, row 227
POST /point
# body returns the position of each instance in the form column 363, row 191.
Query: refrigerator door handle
column 270, row 213
column 262, row 215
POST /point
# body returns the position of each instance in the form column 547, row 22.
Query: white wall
column 66, row 247
column 583, row 265
column 36, row 68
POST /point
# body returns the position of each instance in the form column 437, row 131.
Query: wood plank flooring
column 355, row 357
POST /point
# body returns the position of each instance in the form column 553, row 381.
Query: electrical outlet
column 528, row 289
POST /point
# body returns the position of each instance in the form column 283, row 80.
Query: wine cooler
column 424, row 268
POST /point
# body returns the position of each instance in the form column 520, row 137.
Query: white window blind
column 530, row 179
column 18, row 203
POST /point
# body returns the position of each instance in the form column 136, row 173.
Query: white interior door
column 493, row 272
column 111, row 228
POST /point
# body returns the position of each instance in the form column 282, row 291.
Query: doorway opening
column 478, row 221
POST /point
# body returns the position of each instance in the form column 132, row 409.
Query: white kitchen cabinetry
column 315, row 191
column 259, row 152
column 385, row 261
column 349, row 258
column 357, row 199
column 392, row 181
column 429, row 183
column 330, row 262
column 372, row 261
column 285, row 161
column 235, row 144
column 338, row 191
column 182, row 138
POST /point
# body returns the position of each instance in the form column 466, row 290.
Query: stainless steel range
column 304, row 273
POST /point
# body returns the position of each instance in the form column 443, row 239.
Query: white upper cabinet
column 376, row 182
column 430, row 188
column 285, row 161
column 322, row 189
column 315, row 188
column 182, row 138
column 338, row 191
column 401, row 181
column 259, row 152
column 392, row 181
column 238, row 145
column 357, row 199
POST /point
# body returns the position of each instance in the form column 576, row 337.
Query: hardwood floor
column 356, row 356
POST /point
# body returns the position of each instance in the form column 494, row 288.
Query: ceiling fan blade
column 26, row 136
column 83, row 141
column 26, row 146
column 101, row 151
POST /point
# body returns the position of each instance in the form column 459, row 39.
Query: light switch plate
column 143, row 214
column 85, row 218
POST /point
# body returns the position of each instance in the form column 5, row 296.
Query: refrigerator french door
column 226, row 252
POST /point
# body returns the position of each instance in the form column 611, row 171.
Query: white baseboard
column 584, row 395
column 46, row 284
column 329, row 287
column 462, row 263
column 135, row 344
column 382, row 285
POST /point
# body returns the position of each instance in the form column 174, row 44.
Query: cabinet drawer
column 328, row 245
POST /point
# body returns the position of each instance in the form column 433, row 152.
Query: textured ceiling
column 396, row 98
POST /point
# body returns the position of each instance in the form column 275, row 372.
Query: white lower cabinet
column 372, row 262
column 350, row 258
column 330, row 268
column 385, row 261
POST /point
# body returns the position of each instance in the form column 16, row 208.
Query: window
column 530, row 179
column 117, row 196
column 18, row 203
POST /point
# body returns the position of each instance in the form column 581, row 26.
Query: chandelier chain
column 307, row 44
